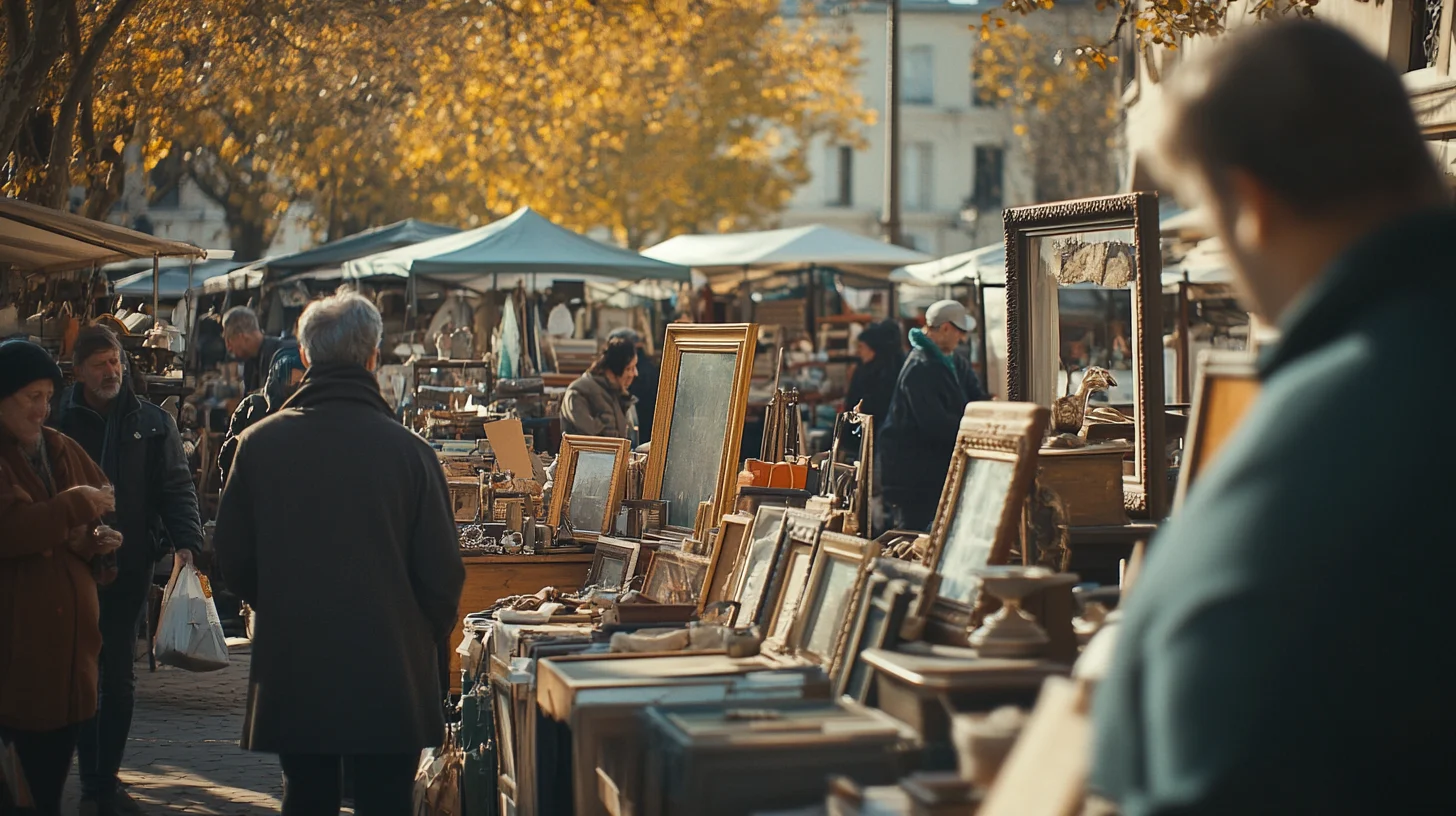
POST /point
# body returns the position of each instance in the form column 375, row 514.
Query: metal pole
column 156, row 287
column 890, row 213
column 1185, row 344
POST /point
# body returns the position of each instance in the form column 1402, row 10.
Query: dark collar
column 1411, row 251
column 127, row 402
column 338, row 383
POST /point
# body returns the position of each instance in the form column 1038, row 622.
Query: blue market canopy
column 512, row 249
column 172, row 284
column 369, row 242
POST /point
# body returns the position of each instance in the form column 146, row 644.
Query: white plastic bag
column 189, row 634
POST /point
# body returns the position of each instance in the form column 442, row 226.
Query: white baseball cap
column 948, row 311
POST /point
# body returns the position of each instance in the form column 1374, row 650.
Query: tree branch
column 18, row 16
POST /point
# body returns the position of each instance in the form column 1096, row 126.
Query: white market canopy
column 513, row 249
column 778, row 250
column 986, row 265
column 172, row 284
column 39, row 239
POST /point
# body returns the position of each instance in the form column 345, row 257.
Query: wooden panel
column 488, row 578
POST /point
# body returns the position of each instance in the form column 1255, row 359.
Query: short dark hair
column 1305, row 109
column 619, row 353
column 91, row 340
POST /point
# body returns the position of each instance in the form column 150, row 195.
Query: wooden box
column 707, row 760
column 1089, row 482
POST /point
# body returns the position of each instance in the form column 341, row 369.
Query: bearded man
column 137, row 446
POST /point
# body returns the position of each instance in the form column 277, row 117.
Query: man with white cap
column 930, row 396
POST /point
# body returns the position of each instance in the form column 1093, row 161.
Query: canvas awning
column 1205, row 264
column 767, row 251
column 516, row 248
column 986, row 264
column 39, row 239
column 333, row 255
column 246, row 277
column 172, row 284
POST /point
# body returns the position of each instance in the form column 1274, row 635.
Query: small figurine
column 1069, row 412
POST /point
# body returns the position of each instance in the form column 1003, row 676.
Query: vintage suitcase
column 711, row 760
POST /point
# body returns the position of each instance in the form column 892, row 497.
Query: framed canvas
column 1084, row 290
column 979, row 517
column 1228, row 383
column 614, row 564
column 465, row 501
column 835, row 582
column 801, row 533
column 879, row 619
column 755, row 569
column 731, row 542
column 591, row 475
column 698, row 423
column 676, row 577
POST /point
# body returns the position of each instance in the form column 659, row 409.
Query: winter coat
column 1282, row 650
column 335, row 525
column 925, row 414
column 644, row 389
column 872, row 385
column 139, row 449
column 593, row 406
column 255, row 371
column 49, row 634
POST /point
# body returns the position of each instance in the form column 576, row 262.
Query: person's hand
column 107, row 540
column 88, row 542
column 102, row 500
column 181, row 558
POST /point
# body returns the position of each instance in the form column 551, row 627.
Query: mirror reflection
column 591, row 490
column 972, row 534
column 699, row 426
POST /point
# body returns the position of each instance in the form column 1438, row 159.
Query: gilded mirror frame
column 737, row 339
column 1008, row 432
column 1144, row 495
column 572, row 446
column 834, row 548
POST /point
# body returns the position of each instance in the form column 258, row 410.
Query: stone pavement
column 183, row 755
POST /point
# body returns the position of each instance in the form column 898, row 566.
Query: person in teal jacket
column 1285, row 650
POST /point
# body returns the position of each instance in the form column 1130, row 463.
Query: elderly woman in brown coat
column 51, row 496
column 597, row 403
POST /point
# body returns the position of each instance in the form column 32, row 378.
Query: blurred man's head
column 1299, row 141
column 946, row 324
column 344, row 329
column 97, row 365
column 241, row 333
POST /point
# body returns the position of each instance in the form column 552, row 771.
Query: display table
column 488, row 578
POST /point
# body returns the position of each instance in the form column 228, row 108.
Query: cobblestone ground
column 183, row 755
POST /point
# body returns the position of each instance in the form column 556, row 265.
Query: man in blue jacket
column 1285, row 649
column 930, row 397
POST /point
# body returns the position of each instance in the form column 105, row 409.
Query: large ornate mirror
column 1083, row 321
column 698, row 424
column 590, row 480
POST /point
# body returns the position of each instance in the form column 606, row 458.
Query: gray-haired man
column 333, row 505
column 246, row 342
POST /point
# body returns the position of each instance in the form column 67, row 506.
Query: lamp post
column 890, row 212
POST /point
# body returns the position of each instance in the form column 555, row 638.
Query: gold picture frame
column 1228, row 384
column 681, row 468
column 732, row 540
column 979, row 516
column 465, row 500
column 614, row 564
column 800, row 549
column 675, row 577
column 755, row 570
column 830, row 598
column 569, row 473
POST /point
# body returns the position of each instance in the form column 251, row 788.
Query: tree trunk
column 27, row 67
column 250, row 238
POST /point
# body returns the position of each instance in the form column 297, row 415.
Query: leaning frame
column 1145, row 496
column 739, row 339
column 571, row 447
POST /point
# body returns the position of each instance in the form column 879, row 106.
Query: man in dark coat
column 925, row 414
column 137, row 446
column 335, row 525
column 247, row 343
column 1281, row 652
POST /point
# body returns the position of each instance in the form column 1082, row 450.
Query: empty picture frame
column 1228, row 383
column 1088, row 252
column 979, row 517
column 835, row 582
column 801, row 533
column 755, row 570
column 465, row 500
column 614, row 564
column 732, row 542
column 591, row 475
column 676, row 577
column 698, row 424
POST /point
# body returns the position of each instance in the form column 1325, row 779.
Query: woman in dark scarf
column 872, row 384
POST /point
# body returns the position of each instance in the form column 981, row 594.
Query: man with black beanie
column 137, row 446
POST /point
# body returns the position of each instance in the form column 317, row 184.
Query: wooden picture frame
column 857, row 519
column 835, row 583
column 676, row 577
column 756, row 566
column 568, row 470
column 732, row 541
column 884, row 603
column 1228, row 384
column 465, row 501
column 705, row 369
column 1029, row 294
column 614, row 564
column 979, row 516
column 798, row 552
